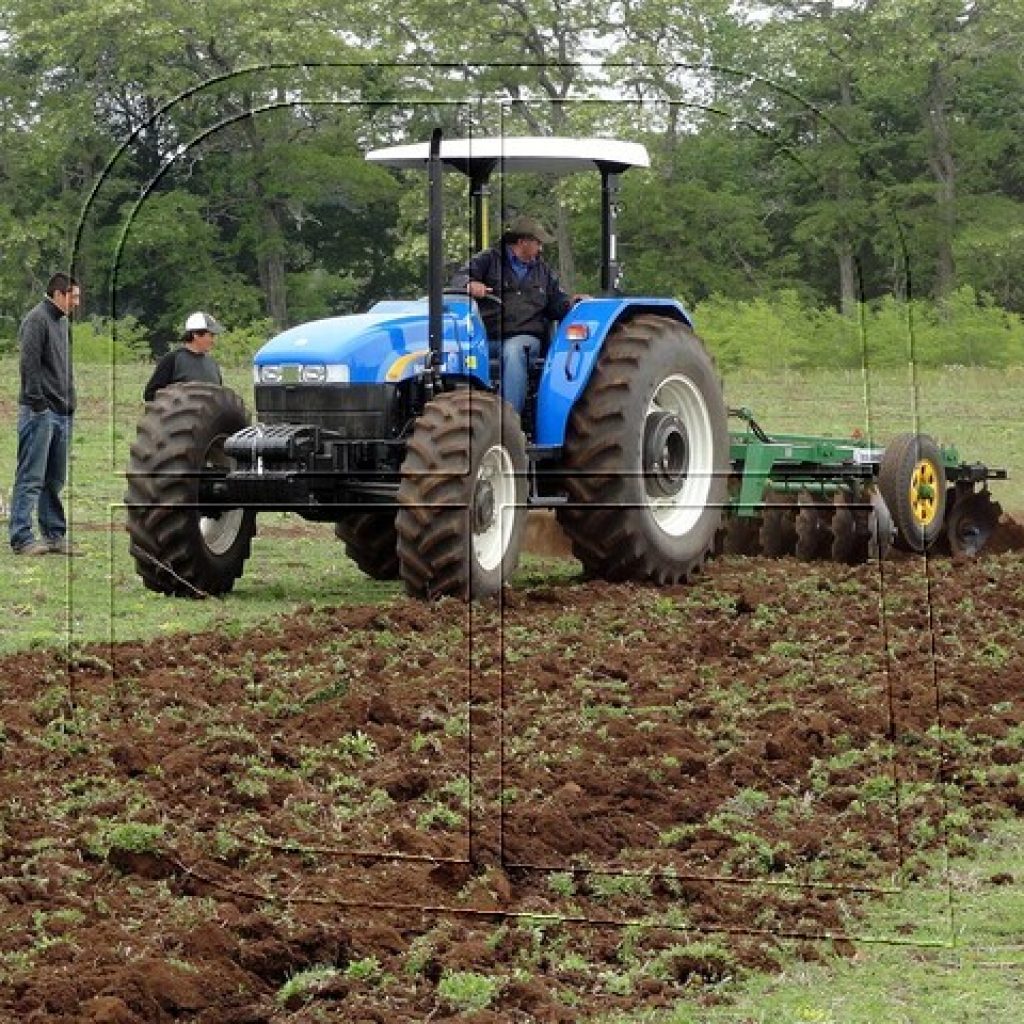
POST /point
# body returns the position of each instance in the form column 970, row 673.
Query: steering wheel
column 463, row 294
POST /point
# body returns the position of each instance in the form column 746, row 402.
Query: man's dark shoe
column 62, row 546
column 33, row 547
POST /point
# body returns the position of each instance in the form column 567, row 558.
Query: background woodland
column 832, row 184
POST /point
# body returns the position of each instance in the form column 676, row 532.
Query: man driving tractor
column 531, row 299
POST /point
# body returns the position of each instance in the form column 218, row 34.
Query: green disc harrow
column 851, row 501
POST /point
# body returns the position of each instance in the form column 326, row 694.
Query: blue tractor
column 389, row 424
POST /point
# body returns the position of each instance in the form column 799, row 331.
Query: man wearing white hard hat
column 192, row 361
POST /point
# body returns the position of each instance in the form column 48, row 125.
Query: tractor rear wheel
column 647, row 456
column 462, row 497
column 371, row 542
column 912, row 480
column 179, row 546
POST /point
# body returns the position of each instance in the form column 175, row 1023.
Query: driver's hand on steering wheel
column 477, row 289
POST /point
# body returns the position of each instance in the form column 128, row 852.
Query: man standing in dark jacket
column 46, row 407
column 531, row 298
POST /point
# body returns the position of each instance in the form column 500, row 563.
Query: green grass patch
column 99, row 598
column 947, row 950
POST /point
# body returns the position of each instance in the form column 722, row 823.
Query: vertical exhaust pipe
column 611, row 271
column 435, row 249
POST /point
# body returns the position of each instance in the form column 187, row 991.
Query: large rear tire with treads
column 647, row 456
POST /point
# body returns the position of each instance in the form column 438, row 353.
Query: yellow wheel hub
column 924, row 493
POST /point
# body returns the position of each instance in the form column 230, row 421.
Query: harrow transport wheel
column 180, row 545
column 647, row 456
column 912, row 480
column 971, row 522
column 462, row 499
column 371, row 542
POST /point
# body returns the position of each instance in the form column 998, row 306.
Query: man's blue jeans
column 515, row 363
column 43, row 442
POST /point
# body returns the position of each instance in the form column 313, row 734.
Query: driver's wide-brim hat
column 530, row 228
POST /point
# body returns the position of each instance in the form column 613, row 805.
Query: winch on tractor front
column 389, row 425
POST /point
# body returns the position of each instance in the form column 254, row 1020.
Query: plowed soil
column 583, row 798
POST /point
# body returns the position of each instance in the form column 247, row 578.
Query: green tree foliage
column 817, row 167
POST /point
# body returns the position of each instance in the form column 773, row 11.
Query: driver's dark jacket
column 527, row 306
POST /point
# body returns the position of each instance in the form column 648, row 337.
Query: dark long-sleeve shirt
column 182, row 365
column 47, row 380
column 529, row 303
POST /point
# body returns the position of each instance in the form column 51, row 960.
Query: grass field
column 967, row 967
column 959, row 957
column 99, row 597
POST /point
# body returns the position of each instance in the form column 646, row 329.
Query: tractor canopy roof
column 478, row 158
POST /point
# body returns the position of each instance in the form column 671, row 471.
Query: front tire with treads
column 462, row 497
column 647, row 456
column 181, row 547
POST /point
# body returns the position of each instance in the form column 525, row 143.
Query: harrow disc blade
column 971, row 523
column 778, row 528
column 813, row 533
column 742, row 536
column 881, row 528
column 849, row 533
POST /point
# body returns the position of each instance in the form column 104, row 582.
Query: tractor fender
column 574, row 352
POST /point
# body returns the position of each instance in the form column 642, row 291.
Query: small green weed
column 438, row 814
column 467, row 991
column 302, row 987
column 610, row 887
column 129, row 836
column 366, row 970
column 562, row 883
column 357, row 746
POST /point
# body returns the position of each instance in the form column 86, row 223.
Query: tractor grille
column 354, row 411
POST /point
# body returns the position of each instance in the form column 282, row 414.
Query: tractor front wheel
column 462, row 497
column 182, row 544
column 647, row 456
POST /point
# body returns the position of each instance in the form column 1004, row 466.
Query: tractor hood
column 387, row 344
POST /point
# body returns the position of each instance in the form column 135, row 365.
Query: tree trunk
column 271, row 266
column 943, row 166
column 566, row 257
column 270, row 250
column 848, row 292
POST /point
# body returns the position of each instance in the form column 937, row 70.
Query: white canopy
column 540, row 154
